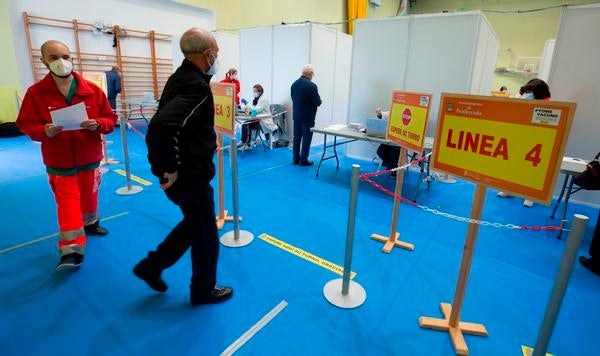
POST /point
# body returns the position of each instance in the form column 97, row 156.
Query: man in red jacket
column 71, row 157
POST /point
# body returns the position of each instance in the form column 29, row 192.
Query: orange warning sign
column 223, row 96
column 514, row 145
column 408, row 119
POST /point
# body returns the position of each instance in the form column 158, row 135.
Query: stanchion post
column 451, row 322
column 237, row 237
column 342, row 292
column 222, row 217
column 392, row 240
column 129, row 189
column 560, row 285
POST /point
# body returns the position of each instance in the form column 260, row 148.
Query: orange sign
column 408, row 119
column 97, row 78
column 514, row 145
column 223, row 97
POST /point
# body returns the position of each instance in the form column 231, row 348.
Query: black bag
column 590, row 178
column 9, row 129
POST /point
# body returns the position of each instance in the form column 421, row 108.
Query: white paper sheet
column 336, row 127
column 70, row 117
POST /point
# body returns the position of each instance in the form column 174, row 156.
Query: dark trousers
column 197, row 230
column 302, row 135
column 247, row 131
column 113, row 103
column 595, row 246
column 389, row 155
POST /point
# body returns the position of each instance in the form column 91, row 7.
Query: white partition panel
column 256, row 62
column 343, row 62
column 441, row 57
column 322, row 57
column 426, row 53
column 546, row 61
column 574, row 76
column 379, row 52
column 229, row 54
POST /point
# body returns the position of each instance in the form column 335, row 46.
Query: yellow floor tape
column 134, row 178
column 305, row 255
column 528, row 351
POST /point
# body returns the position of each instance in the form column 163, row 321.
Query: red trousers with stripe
column 77, row 205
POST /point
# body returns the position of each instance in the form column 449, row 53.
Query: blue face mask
column 527, row 96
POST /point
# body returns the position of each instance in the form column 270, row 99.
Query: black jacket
column 305, row 98
column 181, row 136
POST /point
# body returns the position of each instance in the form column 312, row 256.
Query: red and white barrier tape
column 366, row 177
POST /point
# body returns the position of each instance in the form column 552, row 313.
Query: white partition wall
column 575, row 77
column 274, row 56
column 428, row 53
column 229, row 54
column 546, row 61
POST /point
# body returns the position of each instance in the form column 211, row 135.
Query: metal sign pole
column 237, row 237
column 343, row 292
column 129, row 189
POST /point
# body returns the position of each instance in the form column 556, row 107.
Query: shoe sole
column 224, row 299
column 67, row 267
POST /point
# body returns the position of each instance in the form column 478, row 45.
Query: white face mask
column 213, row 68
column 234, row 77
column 255, row 94
column 61, row 68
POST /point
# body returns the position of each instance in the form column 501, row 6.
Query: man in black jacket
column 306, row 99
column 181, row 143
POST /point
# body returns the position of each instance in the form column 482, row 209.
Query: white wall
column 546, row 61
column 162, row 16
column 425, row 53
column 256, row 61
column 229, row 54
column 575, row 77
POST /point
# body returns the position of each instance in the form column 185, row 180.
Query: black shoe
column 216, row 295
column 69, row 261
column 296, row 163
column 590, row 264
column 95, row 229
column 154, row 280
column 307, row 163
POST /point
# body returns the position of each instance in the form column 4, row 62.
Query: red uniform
column 237, row 88
column 71, row 157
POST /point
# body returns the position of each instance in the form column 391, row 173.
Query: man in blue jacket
column 306, row 99
column 113, row 86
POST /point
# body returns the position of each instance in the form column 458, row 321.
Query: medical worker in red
column 71, row 157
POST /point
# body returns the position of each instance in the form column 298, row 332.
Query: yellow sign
column 515, row 145
column 408, row 119
column 224, row 100
column 305, row 255
column 528, row 351
column 97, row 78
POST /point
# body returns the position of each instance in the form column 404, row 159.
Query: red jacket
column 237, row 88
column 68, row 149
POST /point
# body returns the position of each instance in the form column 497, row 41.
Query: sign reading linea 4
column 514, row 145
column 223, row 96
column 408, row 119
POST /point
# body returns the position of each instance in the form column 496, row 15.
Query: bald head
column 197, row 40
column 54, row 47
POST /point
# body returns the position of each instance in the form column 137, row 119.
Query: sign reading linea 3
column 408, row 119
column 514, row 145
column 223, row 96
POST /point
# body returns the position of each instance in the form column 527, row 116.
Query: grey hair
column 194, row 40
column 307, row 69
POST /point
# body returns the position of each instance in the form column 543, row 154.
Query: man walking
column 72, row 156
column 306, row 99
column 181, row 143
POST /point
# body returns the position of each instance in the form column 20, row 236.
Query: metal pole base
column 244, row 238
column 125, row 191
column 355, row 298
column 444, row 178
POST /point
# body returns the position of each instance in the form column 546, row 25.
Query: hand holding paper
column 69, row 118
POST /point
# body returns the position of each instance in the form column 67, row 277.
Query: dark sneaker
column 590, row 264
column 216, row 295
column 307, row 163
column 296, row 163
column 69, row 261
column 95, row 230
column 153, row 279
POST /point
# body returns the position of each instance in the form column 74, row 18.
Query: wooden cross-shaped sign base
column 456, row 332
column 221, row 220
column 391, row 242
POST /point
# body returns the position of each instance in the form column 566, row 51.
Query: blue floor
column 102, row 309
